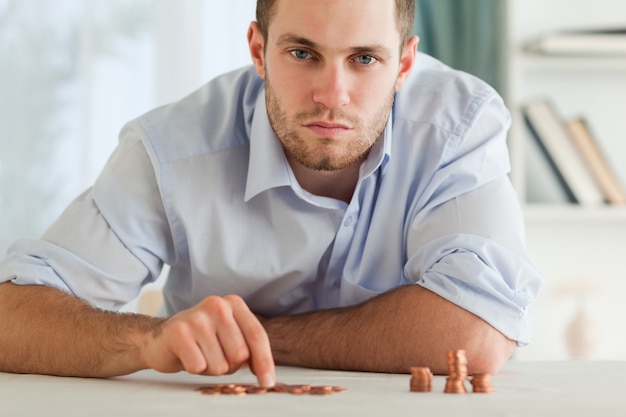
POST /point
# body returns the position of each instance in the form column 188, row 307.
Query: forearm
column 390, row 333
column 49, row 332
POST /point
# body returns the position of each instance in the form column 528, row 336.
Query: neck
column 339, row 184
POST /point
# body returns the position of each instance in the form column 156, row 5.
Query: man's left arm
column 408, row 326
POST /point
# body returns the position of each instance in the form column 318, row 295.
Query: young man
column 344, row 203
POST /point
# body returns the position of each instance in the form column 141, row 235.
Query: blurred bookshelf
column 578, row 85
column 569, row 241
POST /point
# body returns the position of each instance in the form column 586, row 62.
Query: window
column 72, row 72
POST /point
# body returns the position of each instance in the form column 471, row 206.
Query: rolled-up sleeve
column 469, row 253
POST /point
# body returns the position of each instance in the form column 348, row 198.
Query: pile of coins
column 421, row 379
column 245, row 389
column 457, row 369
column 481, row 383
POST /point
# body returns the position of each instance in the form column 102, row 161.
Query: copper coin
column 321, row 390
column 256, row 390
column 210, row 391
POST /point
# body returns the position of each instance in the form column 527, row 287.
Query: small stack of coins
column 244, row 389
column 457, row 369
column 421, row 379
column 481, row 383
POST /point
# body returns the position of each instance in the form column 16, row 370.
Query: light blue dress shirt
column 203, row 186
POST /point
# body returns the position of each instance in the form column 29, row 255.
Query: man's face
column 331, row 69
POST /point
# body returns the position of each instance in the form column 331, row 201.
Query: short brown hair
column 405, row 17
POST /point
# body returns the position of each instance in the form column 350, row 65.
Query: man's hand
column 47, row 331
column 218, row 336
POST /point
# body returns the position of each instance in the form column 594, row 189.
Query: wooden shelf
column 545, row 62
column 574, row 213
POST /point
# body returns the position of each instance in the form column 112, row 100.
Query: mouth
column 327, row 129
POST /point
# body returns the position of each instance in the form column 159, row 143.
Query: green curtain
column 465, row 34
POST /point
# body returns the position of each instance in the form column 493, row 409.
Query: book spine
column 554, row 139
column 589, row 148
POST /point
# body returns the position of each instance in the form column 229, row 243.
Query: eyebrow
column 377, row 49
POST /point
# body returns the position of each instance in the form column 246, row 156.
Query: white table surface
column 555, row 389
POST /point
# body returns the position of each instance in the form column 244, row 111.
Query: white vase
column 582, row 335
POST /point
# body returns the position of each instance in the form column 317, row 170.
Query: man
column 298, row 203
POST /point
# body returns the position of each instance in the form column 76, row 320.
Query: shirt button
column 348, row 221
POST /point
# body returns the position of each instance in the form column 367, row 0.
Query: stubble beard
column 323, row 159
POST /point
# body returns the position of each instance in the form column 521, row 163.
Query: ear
column 409, row 52
column 257, row 48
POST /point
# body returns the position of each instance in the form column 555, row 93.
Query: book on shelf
column 595, row 160
column 543, row 184
column 600, row 42
column 553, row 138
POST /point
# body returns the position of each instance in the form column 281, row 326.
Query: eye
column 365, row 59
column 301, row 54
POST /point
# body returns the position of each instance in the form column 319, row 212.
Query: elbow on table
column 488, row 354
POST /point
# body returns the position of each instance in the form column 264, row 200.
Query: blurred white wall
column 72, row 72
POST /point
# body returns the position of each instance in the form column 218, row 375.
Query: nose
column 332, row 87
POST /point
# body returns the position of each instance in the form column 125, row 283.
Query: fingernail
column 267, row 380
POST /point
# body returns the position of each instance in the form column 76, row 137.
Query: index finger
column 261, row 359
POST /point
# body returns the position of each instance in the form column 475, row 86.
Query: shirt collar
column 380, row 152
column 268, row 167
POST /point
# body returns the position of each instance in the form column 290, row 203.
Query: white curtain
column 72, row 72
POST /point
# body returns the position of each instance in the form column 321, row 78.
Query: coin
column 321, row 390
column 256, row 390
column 209, row 390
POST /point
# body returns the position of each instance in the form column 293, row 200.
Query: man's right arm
column 47, row 331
